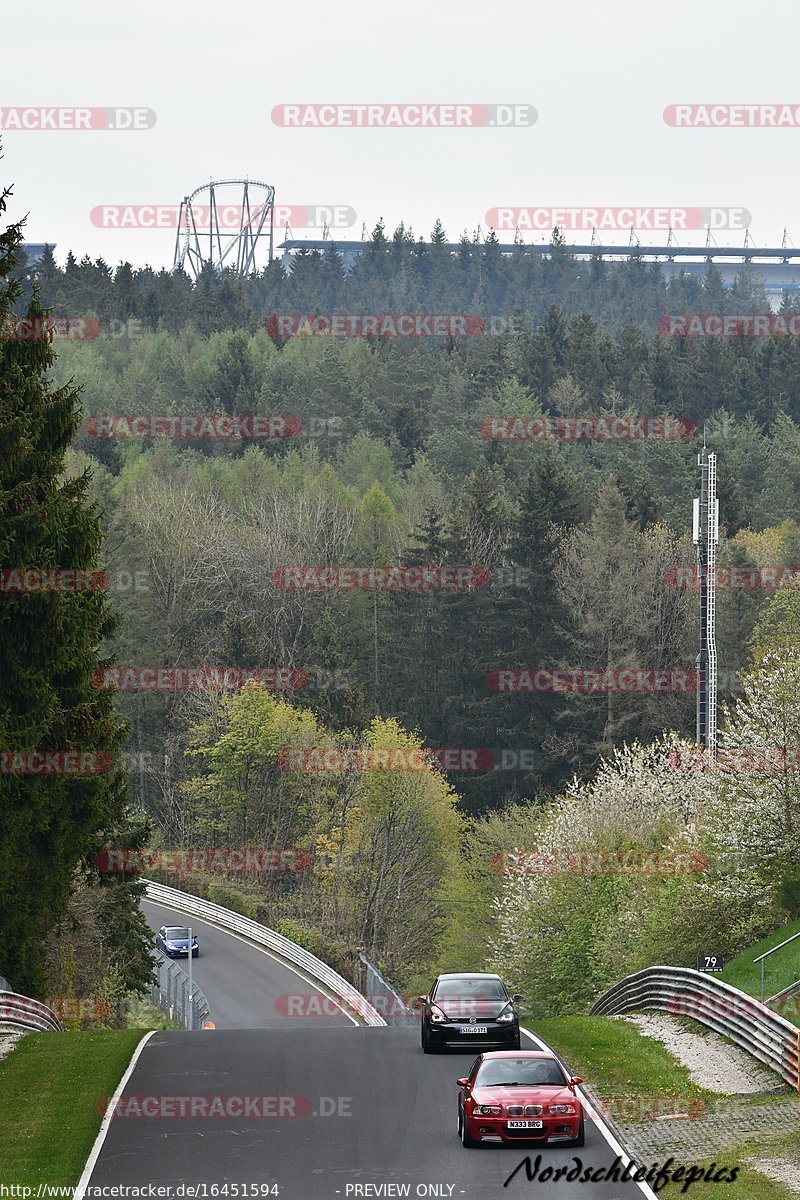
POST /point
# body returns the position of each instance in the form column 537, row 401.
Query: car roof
column 519, row 1054
column 468, row 975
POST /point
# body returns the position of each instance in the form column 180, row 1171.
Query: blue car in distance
column 174, row 941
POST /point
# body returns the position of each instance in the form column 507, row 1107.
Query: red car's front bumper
column 563, row 1128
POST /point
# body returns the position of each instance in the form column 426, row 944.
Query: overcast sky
column 598, row 74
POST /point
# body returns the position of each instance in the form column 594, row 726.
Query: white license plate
column 474, row 1029
column 525, row 1124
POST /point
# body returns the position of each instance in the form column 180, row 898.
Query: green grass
column 51, row 1087
column 781, row 969
column 749, row 1184
column 615, row 1058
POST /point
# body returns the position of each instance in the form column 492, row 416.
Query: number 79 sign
column 710, row 962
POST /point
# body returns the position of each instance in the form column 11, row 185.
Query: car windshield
column 177, row 934
column 471, row 989
column 520, row 1072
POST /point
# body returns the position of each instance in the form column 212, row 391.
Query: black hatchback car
column 466, row 1009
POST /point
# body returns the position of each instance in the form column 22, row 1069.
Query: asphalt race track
column 241, row 983
column 349, row 1111
column 391, row 1120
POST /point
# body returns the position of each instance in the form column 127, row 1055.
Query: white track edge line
column 601, row 1125
column 83, row 1182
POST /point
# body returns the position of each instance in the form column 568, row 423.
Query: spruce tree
column 52, row 822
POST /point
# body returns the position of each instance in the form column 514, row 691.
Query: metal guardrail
column 21, row 1013
column 215, row 914
column 170, row 992
column 389, row 1003
column 763, row 957
column 791, row 990
column 681, row 991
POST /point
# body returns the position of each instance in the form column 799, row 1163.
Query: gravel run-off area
column 8, row 1041
column 716, row 1065
column 711, row 1061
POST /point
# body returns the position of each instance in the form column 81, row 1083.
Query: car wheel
column 581, row 1138
column 516, row 1045
column 467, row 1141
column 425, row 1040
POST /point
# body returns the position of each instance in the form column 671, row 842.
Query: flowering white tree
column 593, row 917
column 755, row 822
column 641, row 803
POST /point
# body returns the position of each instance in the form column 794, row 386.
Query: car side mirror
column 421, row 999
column 462, row 1083
column 574, row 1082
column 517, row 998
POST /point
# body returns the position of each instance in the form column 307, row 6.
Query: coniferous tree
column 53, row 819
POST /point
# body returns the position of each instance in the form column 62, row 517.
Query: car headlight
column 437, row 1014
column 489, row 1110
column 507, row 1015
column 562, row 1109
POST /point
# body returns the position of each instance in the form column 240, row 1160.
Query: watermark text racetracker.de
column 67, row 329
column 55, row 762
column 403, row 116
column 577, row 680
column 160, row 1107
column 449, row 578
column 395, row 758
column 733, row 116
column 202, row 678
column 737, row 760
column 732, row 325
column 48, row 118
column 381, row 325
column 605, row 428
column 734, row 578
column 597, row 862
column 262, row 426
column 36, row 580
column 66, row 1008
column 249, row 859
column 223, row 216
column 622, row 217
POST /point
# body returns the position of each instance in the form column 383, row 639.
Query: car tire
column 425, row 1040
column 517, row 1044
column 581, row 1138
column 467, row 1141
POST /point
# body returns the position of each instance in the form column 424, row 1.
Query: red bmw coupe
column 519, row 1095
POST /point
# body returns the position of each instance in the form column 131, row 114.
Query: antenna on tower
column 709, row 242
column 705, row 535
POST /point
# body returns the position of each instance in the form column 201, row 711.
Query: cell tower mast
column 705, row 534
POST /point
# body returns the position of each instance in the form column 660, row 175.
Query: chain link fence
column 384, row 999
column 170, row 993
